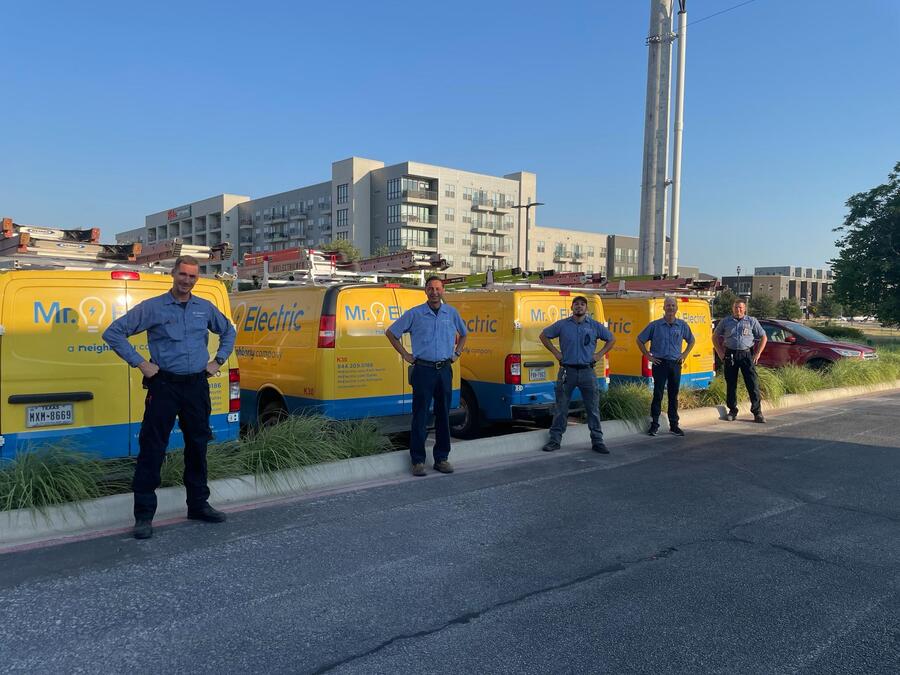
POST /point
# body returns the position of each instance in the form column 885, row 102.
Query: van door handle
column 538, row 364
column 64, row 396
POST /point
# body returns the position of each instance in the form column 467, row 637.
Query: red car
column 793, row 343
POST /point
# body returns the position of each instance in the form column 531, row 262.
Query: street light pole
column 527, row 208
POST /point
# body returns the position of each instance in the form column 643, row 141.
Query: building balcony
column 493, row 251
column 563, row 256
column 419, row 195
column 490, row 205
column 429, row 222
column 245, row 223
column 499, row 230
column 431, row 247
column 278, row 219
column 325, row 207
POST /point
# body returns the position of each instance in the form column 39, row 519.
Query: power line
column 722, row 12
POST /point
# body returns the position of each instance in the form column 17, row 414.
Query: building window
column 590, row 252
column 540, row 247
column 448, row 237
column 449, row 190
column 449, row 214
column 467, row 193
column 340, row 235
column 342, row 218
column 342, row 193
column 393, row 189
column 393, row 213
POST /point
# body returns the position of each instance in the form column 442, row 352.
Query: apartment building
column 568, row 250
column 806, row 285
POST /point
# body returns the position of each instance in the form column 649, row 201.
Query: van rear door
column 61, row 384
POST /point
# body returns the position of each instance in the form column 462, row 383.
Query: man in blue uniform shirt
column 733, row 341
column 178, row 324
column 666, row 336
column 433, row 327
column 578, row 335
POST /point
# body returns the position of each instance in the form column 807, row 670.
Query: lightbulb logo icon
column 92, row 311
column 237, row 313
column 554, row 313
column 378, row 311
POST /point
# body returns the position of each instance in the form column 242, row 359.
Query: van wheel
column 470, row 424
column 272, row 413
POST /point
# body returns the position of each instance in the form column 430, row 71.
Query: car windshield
column 806, row 332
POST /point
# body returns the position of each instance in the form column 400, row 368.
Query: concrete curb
column 26, row 526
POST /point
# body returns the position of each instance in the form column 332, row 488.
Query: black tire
column 469, row 426
column 272, row 412
column 819, row 364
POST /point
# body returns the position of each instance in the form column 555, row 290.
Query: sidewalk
column 27, row 528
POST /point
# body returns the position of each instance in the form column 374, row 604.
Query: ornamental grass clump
column 800, row 379
column 359, row 438
column 856, row 373
column 223, row 460
column 297, row 441
column 626, row 402
column 47, row 477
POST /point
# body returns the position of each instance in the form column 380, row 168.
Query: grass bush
column 799, row 379
column 360, row 438
column 42, row 478
column 223, row 460
column 627, row 402
column 298, row 441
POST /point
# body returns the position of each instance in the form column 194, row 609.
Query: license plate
column 537, row 374
column 49, row 415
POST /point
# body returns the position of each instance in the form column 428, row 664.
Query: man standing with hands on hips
column 178, row 324
column 733, row 340
column 433, row 327
column 666, row 336
column 578, row 335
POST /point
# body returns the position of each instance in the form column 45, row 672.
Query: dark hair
column 186, row 260
column 579, row 297
column 434, row 278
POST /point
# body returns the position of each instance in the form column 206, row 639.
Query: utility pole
column 679, row 128
column 651, row 252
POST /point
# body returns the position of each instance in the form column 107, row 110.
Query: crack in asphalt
column 468, row 617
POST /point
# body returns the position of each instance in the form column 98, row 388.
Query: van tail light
column 124, row 275
column 512, row 369
column 606, row 366
column 326, row 331
column 646, row 367
column 234, row 390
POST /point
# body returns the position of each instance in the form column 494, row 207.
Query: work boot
column 654, row 429
column 443, row 466
column 143, row 529
column 550, row 446
column 600, row 447
column 731, row 416
column 418, row 470
column 207, row 514
column 759, row 419
column 675, row 429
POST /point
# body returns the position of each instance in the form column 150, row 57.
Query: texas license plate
column 537, row 374
column 49, row 415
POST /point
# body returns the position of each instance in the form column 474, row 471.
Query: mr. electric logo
column 89, row 315
column 376, row 312
column 253, row 318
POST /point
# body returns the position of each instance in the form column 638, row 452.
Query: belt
column 178, row 377
column 577, row 366
column 437, row 365
column 729, row 350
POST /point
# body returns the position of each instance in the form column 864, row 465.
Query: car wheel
column 469, row 425
column 819, row 364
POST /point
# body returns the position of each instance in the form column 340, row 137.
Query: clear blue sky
column 111, row 111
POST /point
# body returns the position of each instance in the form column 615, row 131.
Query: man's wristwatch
column 219, row 360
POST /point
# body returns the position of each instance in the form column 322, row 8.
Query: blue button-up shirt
column 578, row 341
column 433, row 335
column 739, row 334
column 666, row 338
column 178, row 336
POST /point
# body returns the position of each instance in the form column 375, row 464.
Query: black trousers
column 188, row 400
column 741, row 361
column 666, row 376
column 430, row 385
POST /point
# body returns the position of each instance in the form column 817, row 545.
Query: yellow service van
column 322, row 349
column 61, row 384
column 507, row 374
column 627, row 316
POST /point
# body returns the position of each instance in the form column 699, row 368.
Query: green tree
column 829, row 306
column 761, row 306
column 723, row 302
column 867, row 269
column 384, row 249
column 344, row 246
column 788, row 308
